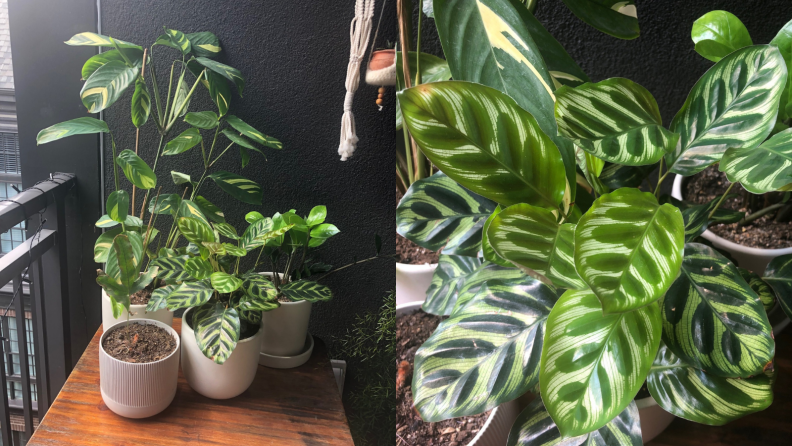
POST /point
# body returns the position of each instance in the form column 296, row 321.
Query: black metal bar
column 6, row 332
column 5, row 418
column 39, row 319
column 63, row 264
column 17, row 261
column 30, row 201
column 24, row 366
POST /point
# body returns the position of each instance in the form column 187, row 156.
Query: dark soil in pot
column 410, row 253
column 412, row 330
column 764, row 232
column 141, row 297
column 139, row 343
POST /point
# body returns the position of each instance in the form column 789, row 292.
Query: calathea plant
column 564, row 273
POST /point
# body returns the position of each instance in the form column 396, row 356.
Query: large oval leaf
column 614, row 17
column 593, row 364
column 436, row 213
column 783, row 41
column 225, row 283
column 535, row 427
column 697, row 396
column 204, row 44
column 217, row 330
column 172, row 269
column 713, row 320
column 79, row 126
column 488, row 272
column 615, row 120
column 448, row 277
column 136, row 170
column 248, row 131
column 734, row 104
column 306, row 290
column 195, row 230
column 224, row 70
column 184, row 142
column 762, row 169
column 481, row 139
column 244, row 190
column 563, row 69
column 141, row 103
column 118, row 205
column 133, row 54
column 778, row 274
column 628, row 248
column 202, row 120
column 718, row 33
column 190, row 294
column 433, row 69
column 483, row 355
column 93, row 39
column 531, row 237
column 107, row 84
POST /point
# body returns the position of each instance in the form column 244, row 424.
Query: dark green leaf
column 613, row 17
column 256, row 136
column 165, row 204
column 239, row 187
column 761, row 288
column 202, row 120
column 190, row 294
column 209, row 210
column 204, row 44
column 778, row 274
column 306, row 290
column 184, row 142
column 79, row 126
column 447, row 279
column 141, row 103
column 224, row 70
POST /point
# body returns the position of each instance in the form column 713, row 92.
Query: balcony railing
column 26, row 270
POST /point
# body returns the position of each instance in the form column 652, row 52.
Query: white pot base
column 412, row 282
column 136, row 412
column 289, row 362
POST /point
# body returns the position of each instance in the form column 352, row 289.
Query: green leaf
column 79, row 126
column 250, row 304
column 119, row 298
column 226, row 230
column 174, row 39
column 106, row 85
column 195, row 230
column 112, row 267
column 190, row 294
column 488, row 42
column 225, row 283
column 487, row 250
column 701, row 397
column 485, row 354
column 203, row 120
column 248, row 131
column 488, row 273
column 535, row 427
column 136, row 170
column 144, row 279
column 159, row 298
column 733, row 105
column 697, row 217
column 184, row 142
column 128, row 265
column 253, row 216
column 437, row 212
column 104, row 244
column 204, row 44
column 762, row 169
column 240, row 140
column 118, row 205
column 615, row 176
column 778, row 274
column 234, row 250
column 224, row 70
column 198, row 268
column 209, row 210
column 306, row 290
column 761, row 288
column 563, row 69
column 783, row 41
column 591, row 166
column 190, row 209
column 181, row 100
column 316, row 216
column 433, row 69
column 713, row 320
column 96, row 61
column 250, row 238
column 628, row 249
column 217, row 331
column 615, row 120
column 531, row 238
column 165, row 204
column 613, row 17
column 593, row 364
column 718, row 33
column 219, row 90
column 448, row 277
column 172, row 268
column 180, row 178
column 324, row 231
column 480, row 138
column 93, row 39
column 259, row 287
column 239, row 187
column 141, row 103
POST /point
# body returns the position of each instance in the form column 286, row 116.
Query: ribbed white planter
column 138, row 312
column 138, row 390
column 412, row 281
column 496, row 429
column 213, row 380
column 654, row 419
column 285, row 328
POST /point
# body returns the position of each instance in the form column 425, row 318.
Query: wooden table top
column 299, row 406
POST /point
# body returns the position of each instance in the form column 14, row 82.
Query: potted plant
column 609, row 288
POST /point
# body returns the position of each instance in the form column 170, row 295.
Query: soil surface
column 141, row 297
column 763, row 232
column 411, row 331
column 139, row 343
column 410, row 253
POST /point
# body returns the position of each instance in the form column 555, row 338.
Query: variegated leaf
column 136, row 170
column 617, row 18
column 172, row 268
column 112, row 267
column 93, row 39
column 185, row 141
column 107, row 84
column 191, row 209
column 79, row 126
column 697, row 217
column 133, row 54
column 250, row 238
column 195, row 230
column 204, row 44
column 225, row 283
column 224, row 70
column 174, row 39
column 488, row 272
column 734, row 104
column 259, row 287
column 198, row 268
column 217, row 331
column 437, row 212
column 241, row 188
column 251, row 304
column 306, row 290
column 615, row 120
column 104, row 244
column 615, row 176
column 697, row 396
column 591, row 166
column 485, row 354
column 535, row 427
column 190, row 294
column 762, row 169
column 226, row 230
column 628, row 249
column 159, row 298
column 713, row 320
column 531, row 238
column 248, row 131
column 141, row 103
column 593, row 364
column 487, row 251
column 234, row 250
column 449, row 275
column 761, row 288
column 203, row 120
column 165, row 204
column 778, row 274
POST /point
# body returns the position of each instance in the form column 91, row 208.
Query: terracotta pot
column 138, row 312
column 382, row 59
column 412, row 282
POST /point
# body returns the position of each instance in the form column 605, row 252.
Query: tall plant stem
column 660, row 177
column 154, row 169
column 717, row 205
column 115, row 165
column 185, row 101
column 405, row 32
column 137, row 129
column 352, row 264
column 418, row 45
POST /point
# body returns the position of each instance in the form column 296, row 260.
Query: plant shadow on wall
column 578, row 282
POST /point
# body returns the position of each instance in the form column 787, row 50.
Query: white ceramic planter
column 495, row 430
column 214, row 380
column 412, row 281
column 285, row 328
column 138, row 312
column 139, row 390
column 654, row 419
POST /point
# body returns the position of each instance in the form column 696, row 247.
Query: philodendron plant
column 128, row 244
column 564, row 272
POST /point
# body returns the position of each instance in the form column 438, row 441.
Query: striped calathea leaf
column 487, row 272
column 535, row 427
column 697, row 218
column 778, row 274
column 615, row 176
column 437, row 212
column 107, row 84
column 761, row 288
column 734, row 104
column 159, row 298
column 93, row 39
column 195, row 230
column 190, row 294
column 628, row 248
column 485, row 354
column 112, row 267
column 239, row 187
column 593, row 364
column 217, row 330
column 79, row 126
column 483, row 140
column 615, row 120
column 698, row 396
column 448, row 277
column 783, row 41
column 762, row 169
column 259, row 286
column 713, row 320
column 531, row 238
column 225, row 283
column 136, row 170
column 306, row 290
column 487, row 251
column 172, row 268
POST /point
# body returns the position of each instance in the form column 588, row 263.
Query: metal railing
column 25, row 265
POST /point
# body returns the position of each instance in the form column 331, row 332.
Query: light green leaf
column 136, row 170
column 106, row 85
column 324, row 231
column 225, row 283
column 217, row 331
column 259, row 287
column 93, row 39
column 141, row 103
column 234, row 250
column 195, row 230
column 198, row 268
column 173, row 269
column 487, row 250
column 250, row 238
column 118, row 205
column 181, row 99
column 159, row 298
column 306, row 290
column 226, row 230
column 174, row 39
column 191, row 209
column 433, row 69
column 761, row 288
column 202, row 120
column 783, row 41
column 224, row 70
column 617, row 18
column 180, row 178
column 762, row 169
column 133, row 54
column 79, row 126
column 778, row 274
column 488, row 273
column 184, row 142
column 248, row 131
column 190, row 294
column 204, row 44
column 448, row 277
column 112, row 267
column 119, row 298
column 591, row 166
column 209, row 210
column 316, row 216
column 718, row 33
column 104, row 244
column 239, row 187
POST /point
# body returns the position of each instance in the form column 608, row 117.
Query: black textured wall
column 294, row 56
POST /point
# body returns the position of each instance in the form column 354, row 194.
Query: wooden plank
column 299, row 406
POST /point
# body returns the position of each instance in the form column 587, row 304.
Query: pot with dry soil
column 138, row 367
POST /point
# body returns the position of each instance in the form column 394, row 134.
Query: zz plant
column 563, row 271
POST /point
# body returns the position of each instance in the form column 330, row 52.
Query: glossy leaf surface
column 489, row 272
column 778, row 275
column 239, row 187
column 783, row 41
column 448, row 277
column 217, row 331
column 254, row 135
column 107, row 84
column 190, row 294
column 141, row 104
column 225, row 283
column 718, row 33
column 79, row 126
column 614, row 17
column 486, row 248
column 306, row 290
column 762, row 169
column 202, row 120
column 136, row 170
column 224, row 70
column 93, row 39
column 184, row 142
column 204, row 44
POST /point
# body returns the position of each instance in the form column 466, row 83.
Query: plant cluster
column 562, row 272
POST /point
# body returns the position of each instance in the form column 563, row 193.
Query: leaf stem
column 353, row 264
column 418, row 45
column 186, row 100
column 760, row 213
column 717, row 205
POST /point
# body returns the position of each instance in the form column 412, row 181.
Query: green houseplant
column 565, row 279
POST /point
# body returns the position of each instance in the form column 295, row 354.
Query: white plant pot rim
column 167, row 328
column 676, row 192
column 185, row 324
column 410, row 268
